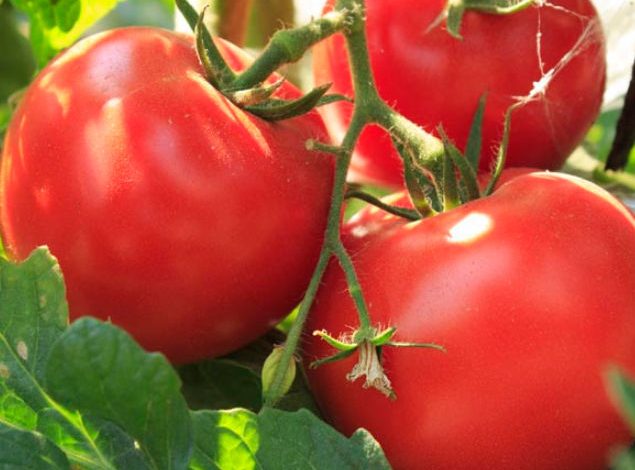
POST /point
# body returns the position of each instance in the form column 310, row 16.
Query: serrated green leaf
column 29, row 450
column 307, row 442
column 240, row 439
column 58, row 24
column 94, row 367
column 33, row 315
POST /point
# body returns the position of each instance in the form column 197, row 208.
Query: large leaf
column 99, row 370
column 88, row 396
column 33, row 314
column 29, row 450
column 240, row 439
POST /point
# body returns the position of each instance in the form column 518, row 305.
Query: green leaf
column 221, row 383
column 33, row 314
column 17, row 63
column 29, row 450
column 623, row 390
column 14, row 411
column 58, row 24
column 98, row 369
column 240, row 439
column 92, row 443
column 233, row 381
column 625, row 461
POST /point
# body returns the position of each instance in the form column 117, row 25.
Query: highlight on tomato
column 528, row 290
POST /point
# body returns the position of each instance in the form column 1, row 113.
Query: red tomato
column 433, row 78
column 190, row 223
column 530, row 291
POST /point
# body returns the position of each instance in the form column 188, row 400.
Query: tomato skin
column 190, row 223
column 433, row 79
column 530, row 291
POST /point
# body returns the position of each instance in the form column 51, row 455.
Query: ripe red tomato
column 530, row 291
column 190, row 223
column 433, row 78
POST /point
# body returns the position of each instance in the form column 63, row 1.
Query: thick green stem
column 289, row 45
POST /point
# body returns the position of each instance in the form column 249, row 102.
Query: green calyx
column 368, row 342
column 250, row 89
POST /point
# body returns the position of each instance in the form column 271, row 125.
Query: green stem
column 347, row 17
column 354, row 287
column 275, row 392
column 289, row 45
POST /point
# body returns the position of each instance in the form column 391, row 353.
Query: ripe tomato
column 433, row 78
column 190, row 223
column 530, row 291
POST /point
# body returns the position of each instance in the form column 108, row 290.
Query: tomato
column 433, row 78
column 529, row 290
column 187, row 221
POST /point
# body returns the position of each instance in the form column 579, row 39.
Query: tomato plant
column 433, row 78
column 529, row 292
column 187, row 221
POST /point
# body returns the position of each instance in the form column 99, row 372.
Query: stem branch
column 289, row 45
column 348, row 17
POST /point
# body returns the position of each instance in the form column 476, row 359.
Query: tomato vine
column 369, row 108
